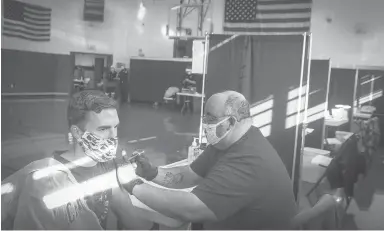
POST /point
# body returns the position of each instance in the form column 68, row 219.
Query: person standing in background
column 189, row 82
column 110, row 87
column 100, row 85
column 124, row 84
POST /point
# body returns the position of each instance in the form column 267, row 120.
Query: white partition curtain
column 271, row 71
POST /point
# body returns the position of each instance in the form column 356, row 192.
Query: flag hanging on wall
column 26, row 21
column 267, row 16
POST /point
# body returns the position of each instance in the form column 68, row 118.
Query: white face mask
column 210, row 131
column 98, row 149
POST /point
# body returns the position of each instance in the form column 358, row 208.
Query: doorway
column 91, row 67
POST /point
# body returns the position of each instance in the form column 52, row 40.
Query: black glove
column 145, row 169
column 130, row 185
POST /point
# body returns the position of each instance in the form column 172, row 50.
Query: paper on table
column 333, row 141
column 321, row 160
column 309, row 131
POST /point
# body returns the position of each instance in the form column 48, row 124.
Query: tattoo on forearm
column 172, row 179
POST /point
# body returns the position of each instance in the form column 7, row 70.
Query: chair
column 323, row 215
column 170, row 96
column 340, row 172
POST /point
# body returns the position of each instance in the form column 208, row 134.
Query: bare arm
column 126, row 213
column 177, row 177
column 183, row 206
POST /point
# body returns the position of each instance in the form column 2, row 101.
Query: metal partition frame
column 205, row 64
column 326, row 104
column 298, row 118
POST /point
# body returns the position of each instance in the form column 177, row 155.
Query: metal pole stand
column 205, row 64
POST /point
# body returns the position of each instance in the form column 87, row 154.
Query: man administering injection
column 239, row 181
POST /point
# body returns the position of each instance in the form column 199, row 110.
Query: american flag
column 26, row 21
column 267, row 16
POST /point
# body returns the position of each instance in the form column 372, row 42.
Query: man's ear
column 76, row 132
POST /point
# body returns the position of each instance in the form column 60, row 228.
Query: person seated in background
column 79, row 83
column 240, row 181
column 189, row 83
column 171, row 93
column 189, row 80
column 93, row 121
column 110, row 86
column 141, row 53
column 112, row 73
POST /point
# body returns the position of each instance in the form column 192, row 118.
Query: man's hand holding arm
column 176, row 177
column 226, row 189
column 180, row 205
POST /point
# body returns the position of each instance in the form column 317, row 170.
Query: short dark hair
column 83, row 102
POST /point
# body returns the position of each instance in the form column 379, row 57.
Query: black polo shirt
column 247, row 186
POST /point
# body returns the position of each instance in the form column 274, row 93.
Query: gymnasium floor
column 32, row 129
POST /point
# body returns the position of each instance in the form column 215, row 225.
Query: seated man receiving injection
column 241, row 182
column 71, row 189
